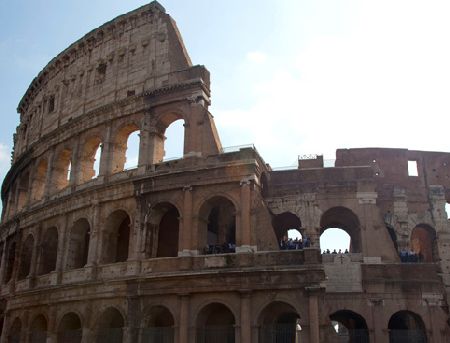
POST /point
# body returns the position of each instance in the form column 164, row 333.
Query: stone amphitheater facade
column 137, row 255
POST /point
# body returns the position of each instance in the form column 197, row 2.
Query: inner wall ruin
column 194, row 249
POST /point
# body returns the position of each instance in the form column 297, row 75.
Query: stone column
column 378, row 334
column 185, row 244
column 106, row 155
column 3, row 261
column 75, row 165
column 48, row 188
column 246, row 331
column 60, row 257
column 52, row 330
column 94, row 254
column 314, row 320
column 183, row 331
column 244, row 233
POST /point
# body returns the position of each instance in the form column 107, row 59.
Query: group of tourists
column 334, row 252
column 410, row 256
column 294, row 244
column 224, row 248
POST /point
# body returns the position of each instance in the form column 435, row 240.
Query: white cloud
column 384, row 83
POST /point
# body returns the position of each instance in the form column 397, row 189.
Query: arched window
column 423, row 243
column 69, row 329
column 217, row 230
column 215, row 323
column 406, row 326
column 279, row 322
column 173, row 140
column 39, row 180
column 287, row 228
column 14, row 331
column 110, row 327
column 49, row 251
column 25, row 257
column 335, row 240
column 62, row 169
column 350, row 326
column 159, row 326
column 126, row 148
column 24, row 190
column 116, row 237
column 78, row 250
column 89, row 160
column 38, row 330
column 10, row 258
column 162, row 231
column 344, row 219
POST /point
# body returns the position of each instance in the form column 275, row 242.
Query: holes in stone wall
column 125, row 154
column 49, row 251
column 10, row 258
column 25, row 258
column 62, row 170
column 77, row 253
column 116, row 237
column 69, row 329
column 173, row 140
column 412, row 168
column 90, row 159
column 39, row 180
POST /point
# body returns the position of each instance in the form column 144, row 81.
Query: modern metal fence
column 407, row 336
column 70, row 336
column 216, row 334
column 278, row 333
column 157, row 335
column 109, row 335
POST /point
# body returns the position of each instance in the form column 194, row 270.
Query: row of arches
column 74, row 165
column 39, row 249
column 215, row 323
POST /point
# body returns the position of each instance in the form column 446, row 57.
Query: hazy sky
column 293, row 77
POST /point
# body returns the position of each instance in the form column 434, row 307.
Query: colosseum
column 195, row 249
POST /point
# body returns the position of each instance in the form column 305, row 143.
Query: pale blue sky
column 293, row 77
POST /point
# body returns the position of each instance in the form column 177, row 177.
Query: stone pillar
column 185, row 244
column 48, row 188
column 52, row 329
column 378, row 332
column 94, row 254
column 106, row 155
column 60, row 257
column 244, row 232
column 75, row 165
column 314, row 320
column 3, row 261
column 183, row 331
column 246, row 331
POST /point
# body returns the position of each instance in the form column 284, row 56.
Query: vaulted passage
column 49, row 252
column 69, row 329
column 78, row 249
column 406, row 326
column 159, row 326
column 116, row 237
column 9, row 263
column 25, row 258
column 287, row 228
column 215, row 324
column 15, row 331
column 279, row 323
column 110, row 327
column 39, row 181
column 62, row 170
column 217, row 226
column 38, row 330
column 91, row 152
column 350, row 327
column 125, row 148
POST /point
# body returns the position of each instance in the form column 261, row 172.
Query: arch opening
column 350, row 327
column 25, row 258
column 38, row 330
column 159, row 326
column 335, row 241
column 23, row 191
column 49, row 251
column 40, row 178
column 90, row 159
column 343, row 219
column 126, row 148
column 279, row 322
column 62, row 170
column 116, row 237
column 110, row 327
column 423, row 243
column 288, row 229
column 10, row 258
column 162, row 232
column 215, row 324
column 69, row 329
column 217, row 230
column 14, row 331
column 406, row 326
column 77, row 253
column 173, row 145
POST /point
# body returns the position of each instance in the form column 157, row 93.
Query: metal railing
column 157, row 335
column 236, row 148
column 70, row 336
column 112, row 335
column 216, row 334
column 279, row 333
column 407, row 336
